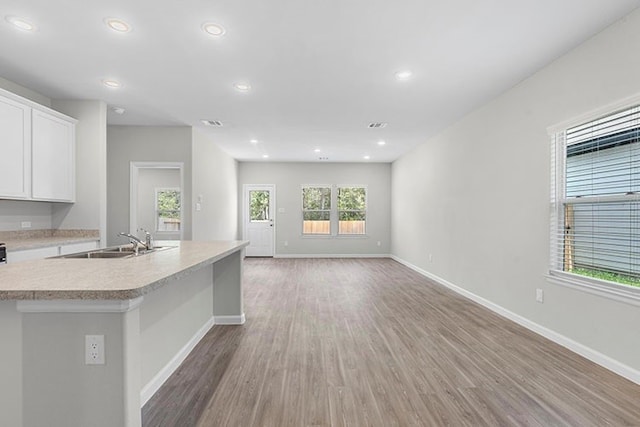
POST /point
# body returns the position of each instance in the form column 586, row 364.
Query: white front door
column 259, row 227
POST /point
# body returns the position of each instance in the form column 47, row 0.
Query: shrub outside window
column 168, row 209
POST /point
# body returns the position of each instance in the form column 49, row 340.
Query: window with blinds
column 596, row 199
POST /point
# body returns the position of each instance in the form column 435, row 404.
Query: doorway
column 156, row 199
column 258, row 219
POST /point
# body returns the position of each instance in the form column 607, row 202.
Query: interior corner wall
column 89, row 210
column 289, row 179
column 215, row 184
column 142, row 144
column 472, row 204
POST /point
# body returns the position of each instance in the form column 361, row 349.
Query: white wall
column 143, row 144
column 289, row 178
column 13, row 212
column 89, row 212
column 215, row 178
column 476, row 197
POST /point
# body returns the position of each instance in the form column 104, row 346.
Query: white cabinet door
column 15, row 149
column 53, row 158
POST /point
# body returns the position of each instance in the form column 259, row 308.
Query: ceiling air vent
column 212, row 123
column 377, row 125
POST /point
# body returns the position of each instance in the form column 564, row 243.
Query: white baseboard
column 229, row 320
column 156, row 382
column 332, row 256
column 601, row 359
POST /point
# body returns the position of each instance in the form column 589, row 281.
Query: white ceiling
column 320, row 70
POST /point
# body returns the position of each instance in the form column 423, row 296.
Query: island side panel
column 10, row 364
column 59, row 389
column 173, row 319
column 228, row 306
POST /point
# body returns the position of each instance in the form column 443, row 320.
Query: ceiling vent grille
column 212, row 123
column 377, row 125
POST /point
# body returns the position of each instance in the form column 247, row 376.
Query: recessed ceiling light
column 242, row 87
column 317, row 150
column 403, row 75
column 110, row 83
column 117, row 25
column 254, row 141
column 366, row 157
column 20, row 23
column 381, row 143
column 265, row 156
column 213, row 29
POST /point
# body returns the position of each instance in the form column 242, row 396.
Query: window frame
column 556, row 274
column 333, row 212
column 365, row 210
column 330, row 210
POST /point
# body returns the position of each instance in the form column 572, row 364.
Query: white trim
column 78, row 306
column 621, row 293
column 156, row 382
column 230, row 320
column 333, row 256
column 601, row 359
column 596, row 113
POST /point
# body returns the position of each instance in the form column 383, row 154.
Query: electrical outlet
column 25, row 224
column 540, row 295
column 94, row 349
column 430, row 257
column 286, row 243
column 379, row 243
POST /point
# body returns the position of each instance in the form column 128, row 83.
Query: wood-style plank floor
column 369, row 342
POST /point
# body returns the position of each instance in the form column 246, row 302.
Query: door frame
column 245, row 209
column 133, row 191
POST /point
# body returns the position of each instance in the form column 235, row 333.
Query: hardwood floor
column 369, row 342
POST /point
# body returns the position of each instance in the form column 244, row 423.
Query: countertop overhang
column 108, row 279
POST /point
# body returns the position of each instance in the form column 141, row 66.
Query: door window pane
column 259, row 205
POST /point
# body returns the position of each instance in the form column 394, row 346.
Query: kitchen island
column 151, row 309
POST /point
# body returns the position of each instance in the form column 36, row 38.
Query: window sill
column 622, row 293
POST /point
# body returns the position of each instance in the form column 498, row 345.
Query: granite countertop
column 34, row 239
column 108, row 279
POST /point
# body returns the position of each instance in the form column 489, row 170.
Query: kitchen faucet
column 134, row 241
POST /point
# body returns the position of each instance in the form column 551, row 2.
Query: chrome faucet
column 134, row 241
column 148, row 239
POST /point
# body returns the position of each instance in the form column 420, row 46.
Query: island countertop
column 108, row 279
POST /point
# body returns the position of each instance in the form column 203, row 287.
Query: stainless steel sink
column 113, row 253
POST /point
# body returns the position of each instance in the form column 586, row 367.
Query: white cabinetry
column 37, row 151
column 15, row 149
column 53, row 158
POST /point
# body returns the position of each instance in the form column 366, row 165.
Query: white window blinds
column 596, row 220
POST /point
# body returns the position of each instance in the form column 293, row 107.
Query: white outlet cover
column 94, row 349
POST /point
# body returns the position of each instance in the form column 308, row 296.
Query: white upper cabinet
column 15, row 149
column 37, row 151
column 53, row 158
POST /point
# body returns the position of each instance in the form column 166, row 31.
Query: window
column 259, row 205
column 328, row 208
column 596, row 200
column 168, row 209
column 352, row 210
column 316, row 210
